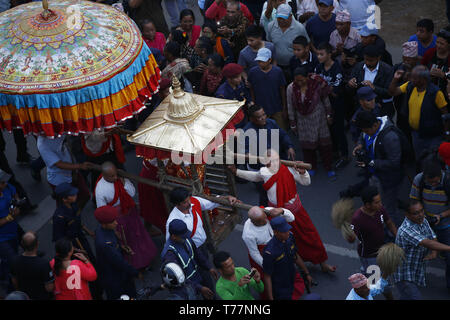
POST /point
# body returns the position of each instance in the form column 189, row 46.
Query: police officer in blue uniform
column 67, row 224
column 279, row 264
column 233, row 88
column 181, row 250
column 115, row 273
column 67, row 219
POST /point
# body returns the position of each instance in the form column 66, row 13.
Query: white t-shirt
column 104, row 192
column 254, row 236
column 200, row 235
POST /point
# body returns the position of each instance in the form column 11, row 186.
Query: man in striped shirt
column 432, row 188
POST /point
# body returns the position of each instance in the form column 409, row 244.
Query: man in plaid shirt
column 418, row 240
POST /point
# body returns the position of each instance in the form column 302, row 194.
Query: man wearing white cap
column 268, row 86
column 345, row 36
column 370, row 36
column 282, row 33
column 361, row 289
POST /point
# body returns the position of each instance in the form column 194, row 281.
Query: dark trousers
column 262, row 194
column 448, row 10
column 326, row 153
column 21, row 145
column 207, row 280
column 8, row 250
column 126, row 288
column 37, row 164
column 408, row 290
column 387, row 109
column 444, row 237
column 338, row 129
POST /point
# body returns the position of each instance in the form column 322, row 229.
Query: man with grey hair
column 257, row 233
column 426, row 105
column 112, row 190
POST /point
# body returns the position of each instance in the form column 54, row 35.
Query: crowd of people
column 315, row 68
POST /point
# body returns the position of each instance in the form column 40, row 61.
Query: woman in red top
column 152, row 38
column 187, row 21
column 212, row 78
column 71, row 276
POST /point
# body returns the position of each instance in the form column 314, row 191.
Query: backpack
column 407, row 150
column 446, row 185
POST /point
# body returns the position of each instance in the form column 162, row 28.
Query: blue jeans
column 408, row 290
column 171, row 6
column 444, row 237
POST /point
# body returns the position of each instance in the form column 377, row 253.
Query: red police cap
column 106, row 214
column 232, row 70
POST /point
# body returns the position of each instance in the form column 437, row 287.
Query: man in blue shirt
column 362, row 291
column 60, row 166
column 321, row 26
column 280, row 258
column 424, row 36
column 8, row 227
column 268, row 87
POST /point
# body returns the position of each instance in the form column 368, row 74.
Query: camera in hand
column 252, row 274
column 18, row 203
column 431, row 219
column 360, row 85
column 361, row 155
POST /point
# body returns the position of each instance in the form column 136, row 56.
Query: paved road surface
column 317, row 198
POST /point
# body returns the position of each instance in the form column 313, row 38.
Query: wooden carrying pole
column 247, row 157
column 287, row 163
column 167, row 188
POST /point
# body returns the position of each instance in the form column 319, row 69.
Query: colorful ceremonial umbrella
column 71, row 68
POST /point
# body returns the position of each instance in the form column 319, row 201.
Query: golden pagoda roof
column 185, row 122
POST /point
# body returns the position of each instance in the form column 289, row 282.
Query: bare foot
column 327, row 268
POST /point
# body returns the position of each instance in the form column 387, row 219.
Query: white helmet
column 172, row 275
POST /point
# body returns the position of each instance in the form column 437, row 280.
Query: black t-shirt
column 32, row 273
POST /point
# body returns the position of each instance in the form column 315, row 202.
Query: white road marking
column 351, row 253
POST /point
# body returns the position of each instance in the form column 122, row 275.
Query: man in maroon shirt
column 368, row 224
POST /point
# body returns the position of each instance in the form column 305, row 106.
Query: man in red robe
column 118, row 192
column 280, row 184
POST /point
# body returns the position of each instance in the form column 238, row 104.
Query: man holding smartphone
column 235, row 283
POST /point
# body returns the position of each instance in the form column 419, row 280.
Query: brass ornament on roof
column 182, row 107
